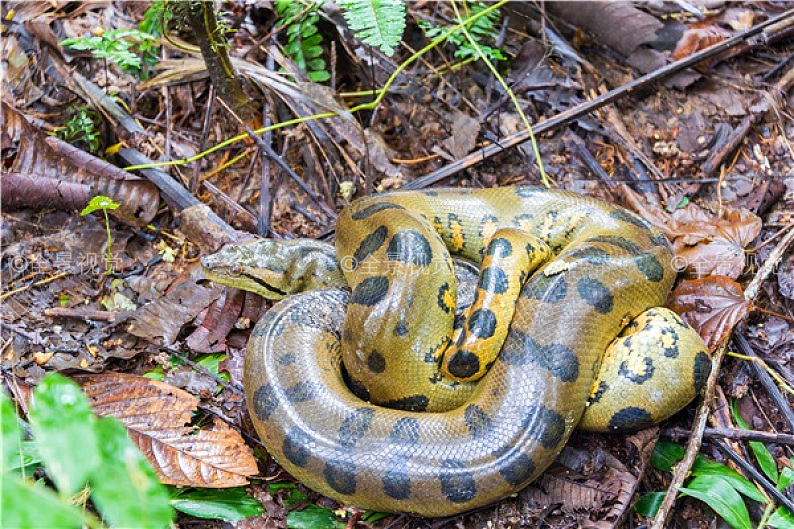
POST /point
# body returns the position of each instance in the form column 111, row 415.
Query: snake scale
column 359, row 380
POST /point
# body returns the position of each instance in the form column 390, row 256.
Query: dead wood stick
column 82, row 313
column 565, row 117
column 699, row 424
column 735, row 434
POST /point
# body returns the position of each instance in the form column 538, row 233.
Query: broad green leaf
column 218, row 504
column 666, row 454
column 29, row 458
column 99, row 202
column 706, row 467
column 10, row 434
column 722, row 498
column 786, row 478
column 24, row 504
column 373, row 516
column 313, row 517
column 765, row 459
column 648, row 504
column 63, row 425
column 781, row 519
column 124, row 487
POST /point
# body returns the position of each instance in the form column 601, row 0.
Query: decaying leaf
column 157, row 417
column 709, row 31
column 43, row 157
column 712, row 305
column 704, row 243
column 163, row 318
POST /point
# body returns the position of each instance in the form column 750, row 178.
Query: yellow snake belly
column 493, row 437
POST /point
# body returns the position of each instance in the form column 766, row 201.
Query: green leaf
column 666, row 454
column 379, row 23
column 63, row 424
column 29, row 459
column 781, row 519
column 218, row 504
column 721, row 497
column 124, row 487
column 11, row 435
column 319, row 76
column 706, row 467
column 313, row 517
column 29, row 505
column 648, row 504
column 765, row 459
column 786, row 478
column 99, row 202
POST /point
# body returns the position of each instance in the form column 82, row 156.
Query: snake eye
column 236, row 270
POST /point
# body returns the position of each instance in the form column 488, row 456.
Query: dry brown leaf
column 157, row 417
column 33, row 153
column 709, row 31
column 712, row 305
column 704, row 243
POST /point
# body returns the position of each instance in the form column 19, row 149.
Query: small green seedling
column 104, row 203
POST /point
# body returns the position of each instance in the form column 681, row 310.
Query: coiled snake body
column 573, row 274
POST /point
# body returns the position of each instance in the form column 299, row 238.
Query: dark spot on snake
column 520, row 219
column 264, row 284
column 485, row 221
column 494, row 280
column 430, row 193
column 457, row 483
column 265, row 402
column 672, row 351
column 630, row 418
column 661, row 240
column 400, row 329
column 355, row 426
column 521, row 349
column 347, row 335
column 478, row 422
column 370, row 245
column 405, row 431
column 602, row 388
column 376, row 362
column 482, row 323
column 287, row 359
column 545, row 425
column 463, row 364
column 410, row 246
column 340, row 474
column 620, row 242
column 650, row 267
column 637, row 378
column 548, row 289
column 625, row 216
column 359, row 389
column 412, row 403
column 591, row 254
column 527, row 191
column 514, row 466
column 460, row 321
column 442, row 297
column 370, row 291
column 374, row 208
column 700, row 370
column 396, row 483
column 295, row 446
column 595, row 293
column 300, row 392
column 500, row 247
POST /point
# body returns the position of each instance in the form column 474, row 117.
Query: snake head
column 275, row 269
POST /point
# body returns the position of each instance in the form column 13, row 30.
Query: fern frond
column 379, row 23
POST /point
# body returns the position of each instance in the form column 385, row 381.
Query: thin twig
column 735, row 434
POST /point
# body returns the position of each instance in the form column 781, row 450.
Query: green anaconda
column 356, row 380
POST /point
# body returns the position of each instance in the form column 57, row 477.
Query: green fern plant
column 482, row 30
column 379, row 23
column 127, row 48
column 304, row 41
